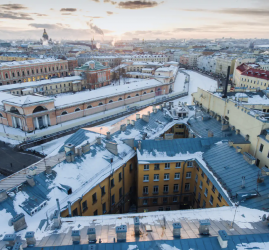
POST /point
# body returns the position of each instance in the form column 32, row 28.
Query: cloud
column 109, row 12
column 12, row 6
column 46, row 25
column 68, row 9
column 38, row 14
column 109, row 1
column 14, row 15
column 97, row 1
column 94, row 17
column 138, row 4
column 95, row 28
column 66, row 14
column 235, row 11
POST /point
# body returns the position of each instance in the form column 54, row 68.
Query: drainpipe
column 182, row 182
column 123, row 189
column 80, row 199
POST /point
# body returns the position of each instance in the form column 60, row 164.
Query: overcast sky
column 121, row 19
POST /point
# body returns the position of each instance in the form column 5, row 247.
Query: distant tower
column 45, row 36
column 92, row 40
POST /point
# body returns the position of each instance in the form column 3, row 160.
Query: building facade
column 27, row 71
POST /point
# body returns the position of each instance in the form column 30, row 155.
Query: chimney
column 75, row 237
column 243, row 182
column 91, row 235
column 121, row 233
column 249, row 158
column 247, row 137
column 154, row 110
column 137, row 116
column 169, row 136
column 112, row 147
column 48, row 170
column 108, row 136
column 86, row 147
column 58, row 205
column 30, row 238
column 148, row 113
column 132, row 122
column 56, row 219
column 30, row 180
column 176, row 230
column 231, row 143
column 69, row 208
column 204, row 227
column 223, row 237
column 136, row 225
column 224, row 127
column 139, row 145
column 227, row 81
column 237, row 131
column 238, row 149
column 98, row 140
column 171, row 105
column 10, row 239
column 145, row 118
column 123, row 127
column 3, row 195
column 210, row 133
column 128, row 121
column 19, row 222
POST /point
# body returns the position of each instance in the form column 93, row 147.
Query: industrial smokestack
column 58, row 205
column 227, row 81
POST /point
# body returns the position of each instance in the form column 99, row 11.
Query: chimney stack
column 108, row 136
column 137, row 116
column 139, row 145
column 98, row 139
column 58, row 205
column 69, row 208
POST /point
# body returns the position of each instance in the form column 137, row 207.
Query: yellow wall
column 127, row 182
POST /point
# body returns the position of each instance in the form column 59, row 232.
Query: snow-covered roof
column 27, row 100
column 106, row 92
column 27, row 62
column 40, row 83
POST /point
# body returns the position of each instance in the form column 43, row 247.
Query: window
column 89, row 107
column 188, row 175
column 213, row 189
column 196, row 178
column 165, row 188
column 160, row 209
column 257, row 162
column 146, row 178
column 204, row 204
column 202, row 174
column 84, row 206
column 120, row 176
column 206, row 192
column 268, row 155
column 120, row 192
column 211, row 200
column 178, row 165
column 113, row 199
column 156, row 166
column 220, row 197
column 131, row 167
column 112, row 183
column 194, row 189
column 18, row 73
column 261, row 147
column 104, row 208
column 94, row 198
column 187, row 186
column 155, row 189
column 75, row 212
column 144, row 93
column 199, row 197
column 33, row 72
column 177, row 176
column 110, row 101
column 120, row 99
column 165, row 200
column 167, row 166
column 189, row 164
column 207, row 181
column 146, row 167
column 145, row 190
column 77, row 109
column 166, row 177
column 155, row 201
column 176, row 187
column 145, row 202
column 174, row 199
column 128, row 96
column 100, row 104
column 37, row 71
column 156, row 177
column 103, row 191
column 201, row 185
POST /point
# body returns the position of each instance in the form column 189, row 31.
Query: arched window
column 144, row 93
column 158, row 89
column 128, row 97
column 77, row 109
column 14, row 110
column 39, row 109
column 89, row 107
column 137, row 94
column 1, row 115
column 151, row 91
column 110, row 101
column 64, row 113
column 120, row 99
column 100, row 104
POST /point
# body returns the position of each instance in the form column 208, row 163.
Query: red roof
column 257, row 73
column 243, row 67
